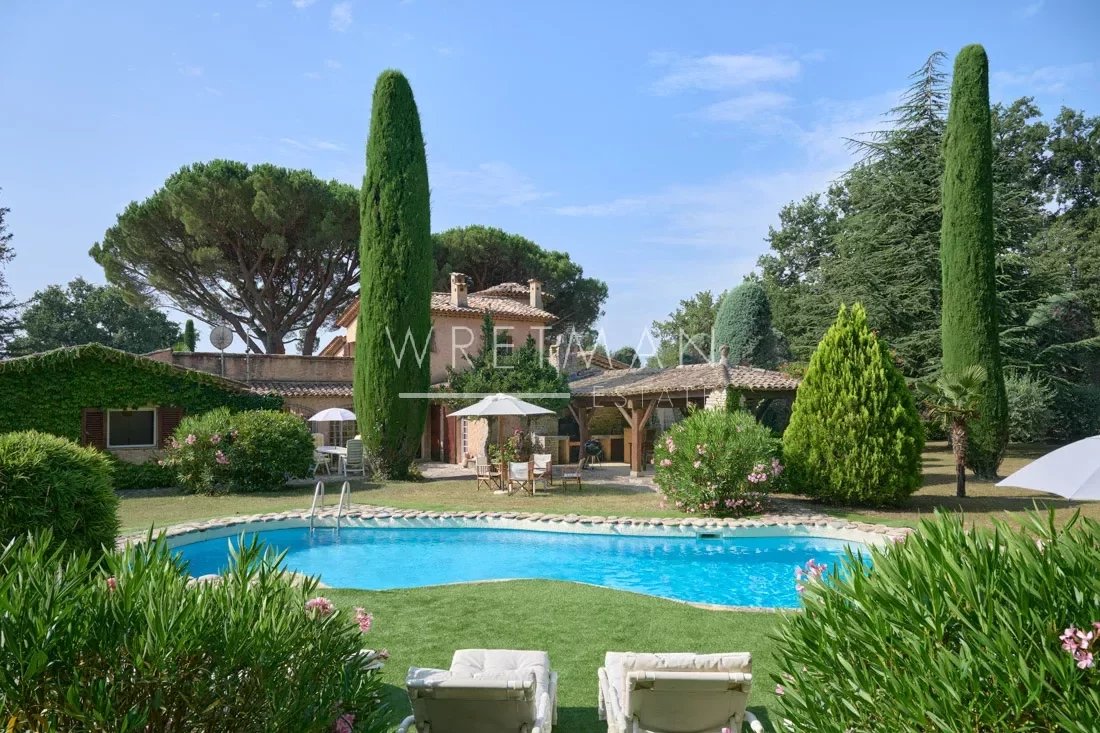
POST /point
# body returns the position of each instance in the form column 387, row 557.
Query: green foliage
column 490, row 256
column 83, row 313
column 855, row 436
column 1078, row 410
column 685, row 337
column 717, row 463
column 952, row 630
column 606, row 421
column 126, row 476
column 394, row 324
column 744, row 323
column 267, row 448
column 133, row 646
column 217, row 235
column 627, row 355
column 256, row 450
column 47, row 391
column 190, row 338
column 49, row 483
column 969, row 330
column 1030, row 408
column 8, row 320
column 524, row 370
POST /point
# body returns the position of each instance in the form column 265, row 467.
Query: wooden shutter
column 168, row 419
column 93, row 428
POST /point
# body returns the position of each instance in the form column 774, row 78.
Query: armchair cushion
column 620, row 664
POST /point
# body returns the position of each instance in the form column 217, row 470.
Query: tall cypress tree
column 969, row 329
column 190, row 337
column 392, row 353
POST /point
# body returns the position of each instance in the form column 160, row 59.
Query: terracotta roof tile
column 690, row 378
column 477, row 305
column 304, row 389
column 506, row 289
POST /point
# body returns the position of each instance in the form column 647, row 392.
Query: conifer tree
column 744, row 323
column 969, row 329
column 392, row 349
column 190, row 338
column 855, row 436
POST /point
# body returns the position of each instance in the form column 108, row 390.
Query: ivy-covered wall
column 48, row 391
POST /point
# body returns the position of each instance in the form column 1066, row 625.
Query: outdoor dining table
column 333, row 450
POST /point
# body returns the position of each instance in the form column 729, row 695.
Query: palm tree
column 954, row 397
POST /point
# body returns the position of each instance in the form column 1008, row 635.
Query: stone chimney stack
column 725, row 352
column 458, row 290
column 536, row 293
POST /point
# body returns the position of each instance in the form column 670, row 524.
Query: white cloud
column 312, row 145
column 312, row 75
column 717, row 72
column 191, row 70
column 339, row 18
column 1031, row 9
column 333, row 64
column 489, row 185
column 302, row 4
column 1045, row 79
column 746, row 106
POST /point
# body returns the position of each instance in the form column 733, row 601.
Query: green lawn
column 576, row 624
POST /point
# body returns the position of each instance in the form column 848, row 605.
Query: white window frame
column 465, row 440
column 156, row 421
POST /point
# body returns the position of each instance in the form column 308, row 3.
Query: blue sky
column 655, row 142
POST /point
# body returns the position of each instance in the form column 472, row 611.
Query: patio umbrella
column 1072, row 471
column 334, row 414
column 500, row 405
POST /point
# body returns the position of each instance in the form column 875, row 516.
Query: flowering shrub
column 256, row 450
column 134, row 645
column 952, row 629
column 718, row 463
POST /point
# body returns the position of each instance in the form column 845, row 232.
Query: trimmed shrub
column 717, row 463
column 1078, row 412
column 267, row 447
column 47, row 482
column 953, row 629
column 1030, row 408
column 257, row 450
column 855, row 436
column 126, row 476
column 744, row 323
column 133, row 645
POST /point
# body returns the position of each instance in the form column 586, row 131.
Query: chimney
column 536, row 293
column 725, row 352
column 458, row 290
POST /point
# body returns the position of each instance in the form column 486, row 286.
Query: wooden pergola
column 636, row 392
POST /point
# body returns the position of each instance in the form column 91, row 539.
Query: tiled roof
column 506, row 289
column 334, row 347
column 687, row 378
column 304, row 389
column 477, row 305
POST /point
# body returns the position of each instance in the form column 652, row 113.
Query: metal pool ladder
column 344, row 504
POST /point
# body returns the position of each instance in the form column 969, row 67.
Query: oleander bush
column 47, row 482
column 132, row 645
column 952, row 630
column 254, row 450
column 717, row 463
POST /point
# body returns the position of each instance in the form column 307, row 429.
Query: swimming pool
column 730, row 571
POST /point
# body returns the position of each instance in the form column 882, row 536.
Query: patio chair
column 521, row 474
column 543, row 467
column 487, row 474
column 320, row 463
column 570, row 473
column 484, row 691
column 676, row 693
column 318, row 440
column 354, row 461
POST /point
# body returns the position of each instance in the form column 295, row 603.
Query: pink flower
column 344, row 724
column 173, row 443
column 112, row 584
column 364, row 619
column 697, row 464
column 220, row 458
column 215, row 438
column 190, row 440
column 780, row 690
column 777, row 467
column 670, row 444
column 1084, row 659
column 320, row 607
column 665, row 463
column 701, row 449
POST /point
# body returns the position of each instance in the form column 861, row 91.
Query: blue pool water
column 743, row 571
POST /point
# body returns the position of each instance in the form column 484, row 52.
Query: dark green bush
column 47, row 482
column 1030, row 408
column 126, row 476
column 953, row 630
column 268, row 448
column 133, row 646
column 1078, row 412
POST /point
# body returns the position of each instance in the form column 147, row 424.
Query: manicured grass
column 576, row 624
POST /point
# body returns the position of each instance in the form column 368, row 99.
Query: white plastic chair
column 353, row 461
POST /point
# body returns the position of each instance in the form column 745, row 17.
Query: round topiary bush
column 855, row 436
column 267, row 448
column 47, row 482
column 718, row 463
column 953, row 629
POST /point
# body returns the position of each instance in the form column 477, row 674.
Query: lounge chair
column 676, row 693
column 487, row 474
column 354, row 461
column 484, row 691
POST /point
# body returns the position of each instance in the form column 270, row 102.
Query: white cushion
column 506, row 663
column 620, row 664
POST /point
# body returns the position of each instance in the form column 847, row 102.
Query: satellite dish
column 221, row 337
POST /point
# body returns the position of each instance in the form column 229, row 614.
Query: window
column 132, row 428
column 465, row 440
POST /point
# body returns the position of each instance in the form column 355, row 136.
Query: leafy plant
column 718, row 463
column 47, row 482
column 126, row 476
column 198, row 452
column 1030, row 408
column 954, row 630
column 854, row 434
column 956, row 400
column 134, row 645
column 266, row 448
column 744, row 324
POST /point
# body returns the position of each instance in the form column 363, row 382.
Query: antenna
column 220, row 338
